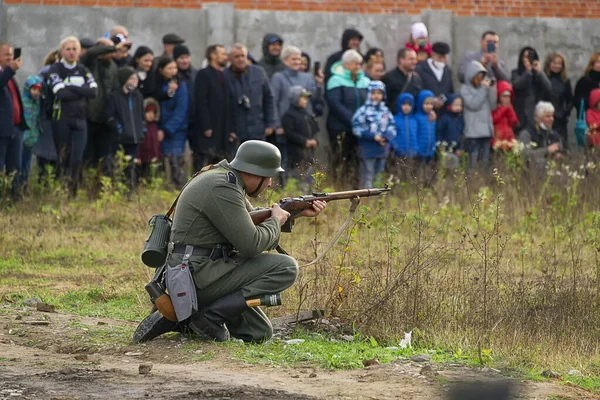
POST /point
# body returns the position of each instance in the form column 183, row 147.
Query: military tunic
column 213, row 209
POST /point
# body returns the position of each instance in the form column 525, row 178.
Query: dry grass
column 503, row 269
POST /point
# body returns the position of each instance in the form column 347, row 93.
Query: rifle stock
column 296, row 205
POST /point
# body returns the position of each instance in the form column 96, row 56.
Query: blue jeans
column 479, row 149
column 11, row 150
column 369, row 168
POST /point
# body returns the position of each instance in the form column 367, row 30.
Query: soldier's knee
column 290, row 266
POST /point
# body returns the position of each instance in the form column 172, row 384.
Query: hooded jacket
column 270, row 63
column 530, row 88
column 405, row 144
column 374, row 119
column 125, row 116
column 426, row 134
column 450, row 127
column 505, row 119
column 592, row 117
column 173, row 120
column 478, row 104
column 337, row 56
column 344, row 97
column 299, row 126
column 31, row 111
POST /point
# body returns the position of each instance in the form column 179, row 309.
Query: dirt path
column 76, row 357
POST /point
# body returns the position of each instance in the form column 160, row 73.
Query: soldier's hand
column 279, row 213
column 317, row 207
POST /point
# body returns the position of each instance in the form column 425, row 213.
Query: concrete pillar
column 219, row 22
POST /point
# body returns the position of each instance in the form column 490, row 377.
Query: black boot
column 152, row 326
column 210, row 320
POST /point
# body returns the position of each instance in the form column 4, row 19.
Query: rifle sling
column 336, row 237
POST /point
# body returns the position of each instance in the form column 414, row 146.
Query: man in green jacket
column 228, row 262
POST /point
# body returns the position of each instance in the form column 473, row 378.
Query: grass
column 502, row 273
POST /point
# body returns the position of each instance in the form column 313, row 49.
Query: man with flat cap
column 436, row 74
column 170, row 40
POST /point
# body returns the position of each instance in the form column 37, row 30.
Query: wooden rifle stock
column 295, row 205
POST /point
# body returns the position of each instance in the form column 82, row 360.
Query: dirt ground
column 57, row 360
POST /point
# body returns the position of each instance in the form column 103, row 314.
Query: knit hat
column 419, row 30
column 36, row 86
column 441, row 48
column 180, row 50
column 296, row 92
column 152, row 105
column 124, row 74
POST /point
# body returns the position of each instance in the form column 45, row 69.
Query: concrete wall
column 39, row 28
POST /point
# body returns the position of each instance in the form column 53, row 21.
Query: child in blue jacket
column 373, row 125
column 405, row 144
column 450, row 130
column 426, row 133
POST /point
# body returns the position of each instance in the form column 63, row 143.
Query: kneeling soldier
column 228, row 260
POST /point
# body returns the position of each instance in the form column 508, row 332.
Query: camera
column 244, row 101
column 533, row 56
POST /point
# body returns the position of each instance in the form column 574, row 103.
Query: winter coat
column 149, row 150
column 188, row 77
column 373, row 119
column 592, row 117
column 254, row 84
column 536, row 141
column 405, row 144
column 530, row 88
column 269, row 63
column 450, row 127
column 31, row 112
column 125, row 116
column 7, row 126
column 395, row 81
column 584, row 87
column 430, row 81
column 505, row 119
column 337, row 56
column 173, row 120
column 344, row 97
column 299, row 126
column 44, row 147
column 284, row 80
column 561, row 97
column 426, row 129
column 147, row 82
column 213, row 111
column 478, row 105
column 105, row 74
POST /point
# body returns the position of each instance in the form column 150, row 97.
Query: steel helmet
column 258, row 158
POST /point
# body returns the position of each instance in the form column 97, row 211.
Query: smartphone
column 491, row 47
column 443, row 98
column 16, row 53
column 317, row 67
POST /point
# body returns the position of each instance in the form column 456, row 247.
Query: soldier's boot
column 210, row 321
column 153, row 326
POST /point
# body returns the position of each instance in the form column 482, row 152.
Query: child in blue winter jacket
column 426, row 134
column 405, row 144
column 373, row 125
column 450, row 130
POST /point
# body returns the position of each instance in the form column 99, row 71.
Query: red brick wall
column 490, row 8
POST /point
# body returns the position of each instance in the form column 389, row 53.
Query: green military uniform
column 213, row 210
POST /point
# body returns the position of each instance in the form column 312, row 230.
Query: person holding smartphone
column 531, row 85
column 12, row 119
column 488, row 57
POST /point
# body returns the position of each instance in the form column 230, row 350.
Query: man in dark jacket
column 436, row 75
column 186, row 73
column 402, row 79
column 253, row 104
column 100, row 144
column 271, row 61
column 12, row 119
column 212, row 140
column 351, row 39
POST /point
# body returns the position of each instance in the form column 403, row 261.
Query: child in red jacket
column 592, row 117
column 505, row 118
